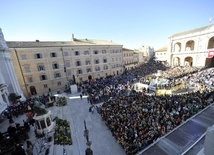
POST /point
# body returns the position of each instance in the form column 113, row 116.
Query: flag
column 210, row 20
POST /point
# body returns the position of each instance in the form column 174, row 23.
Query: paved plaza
column 76, row 111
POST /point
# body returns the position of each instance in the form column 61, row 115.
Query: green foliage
column 62, row 133
column 12, row 97
column 39, row 108
column 61, row 101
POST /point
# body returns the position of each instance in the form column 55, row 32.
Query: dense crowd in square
column 136, row 119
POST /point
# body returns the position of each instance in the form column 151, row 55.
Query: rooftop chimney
column 72, row 39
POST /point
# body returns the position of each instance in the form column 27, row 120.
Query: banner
column 210, row 54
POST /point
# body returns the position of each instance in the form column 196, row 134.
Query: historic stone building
column 129, row 61
column 147, row 50
column 161, row 55
column 43, row 66
column 8, row 79
column 192, row 48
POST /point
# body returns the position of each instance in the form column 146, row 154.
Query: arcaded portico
column 191, row 48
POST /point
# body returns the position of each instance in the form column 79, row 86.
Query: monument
column 42, row 118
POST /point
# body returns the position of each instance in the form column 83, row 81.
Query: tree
column 12, row 97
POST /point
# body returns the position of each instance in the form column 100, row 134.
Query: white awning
column 160, row 59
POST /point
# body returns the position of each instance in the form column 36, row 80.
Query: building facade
column 43, row 66
column 192, row 48
column 129, row 60
column 8, row 79
column 147, row 50
column 140, row 56
column 161, row 55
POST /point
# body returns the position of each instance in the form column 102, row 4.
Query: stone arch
column 33, row 90
column 190, row 45
column 188, row 61
column 176, row 61
column 210, row 43
column 177, row 47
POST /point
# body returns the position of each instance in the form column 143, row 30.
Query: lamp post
column 65, row 70
column 88, row 151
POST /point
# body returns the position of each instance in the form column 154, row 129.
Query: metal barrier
column 141, row 152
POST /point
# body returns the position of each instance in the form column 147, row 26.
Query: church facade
column 192, row 48
column 8, row 80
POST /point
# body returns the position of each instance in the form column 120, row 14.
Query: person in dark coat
column 11, row 130
column 81, row 96
column 10, row 117
column 26, row 125
column 29, row 149
column 18, row 150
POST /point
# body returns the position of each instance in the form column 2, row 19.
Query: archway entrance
column 209, row 62
column 188, row 61
column 33, row 90
column 176, row 61
column 210, row 59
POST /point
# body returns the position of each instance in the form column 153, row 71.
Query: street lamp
column 88, row 151
column 65, row 70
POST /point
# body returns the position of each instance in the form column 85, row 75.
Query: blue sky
column 132, row 23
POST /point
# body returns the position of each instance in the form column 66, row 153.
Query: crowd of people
column 135, row 119
column 138, row 120
column 16, row 135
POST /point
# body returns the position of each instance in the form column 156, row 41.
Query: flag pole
column 210, row 20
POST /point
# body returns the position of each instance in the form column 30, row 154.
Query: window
column 24, row 57
column 48, row 121
column 96, row 52
column 103, row 51
column 78, row 63
column 43, row 77
column 87, row 62
column 67, row 64
column 57, row 75
column 45, row 86
column 30, row 79
column 105, row 60
column 105, row 67
column 55, row 66
column 42, row 123
column 80, row 79
column 113, row 59
column 79, row 71
column 68, row 73
column 27, row 69
column 96, row 61
column 65, row 54
column 86, row 52
column 53, row 55
column 38, row 56
column 76, row 53
column 88, row 70
column 41, row 67
column 97, row 68
column 59, row 83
